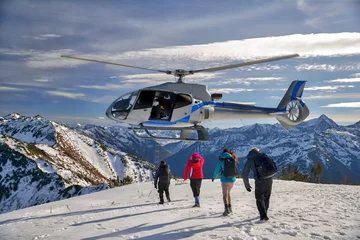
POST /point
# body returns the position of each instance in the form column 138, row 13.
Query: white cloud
column 344, row 105
column 142, row 80
column 307, row 45
column 328, row 88
column 10, row 89
column 246, row 81
column 345, row 80
column 111, row 87
column 43, row 36
column 333, row 96
column 102, row 118
column 66, row 94
column 42, row 80
column 320, row 13
column 230, row 90
column 328, row 67
column 355, row 75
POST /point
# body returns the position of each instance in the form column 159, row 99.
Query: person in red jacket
column 195, row 164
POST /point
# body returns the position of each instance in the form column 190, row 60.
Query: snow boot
column 230, row 209
column 226, row 212
column 197, row 202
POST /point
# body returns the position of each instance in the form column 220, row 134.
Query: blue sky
column 177, row 34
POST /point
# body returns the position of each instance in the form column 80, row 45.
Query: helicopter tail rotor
column 294, row 107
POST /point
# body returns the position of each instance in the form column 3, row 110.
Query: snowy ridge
column 297, row 211
column 74, row 158
column 29, row 129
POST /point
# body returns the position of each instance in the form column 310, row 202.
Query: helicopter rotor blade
column 116, row 64
column 246, row 63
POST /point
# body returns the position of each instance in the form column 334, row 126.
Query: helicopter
column 184, row 107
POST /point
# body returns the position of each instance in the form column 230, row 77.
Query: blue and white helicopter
column 183, row 107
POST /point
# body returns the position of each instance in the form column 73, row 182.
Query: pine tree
column 318, row 171
column 289, row 171
column 313, row 173
column 283, row 174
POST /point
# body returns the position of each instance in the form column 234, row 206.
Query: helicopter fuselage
column 188, row 105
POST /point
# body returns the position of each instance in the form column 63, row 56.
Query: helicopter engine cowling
column 205, row 113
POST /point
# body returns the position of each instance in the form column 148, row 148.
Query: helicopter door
column 163, row 106
column 142, row 108
column 182, row 107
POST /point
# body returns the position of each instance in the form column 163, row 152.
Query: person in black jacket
column 162, row 181
column 262, row 186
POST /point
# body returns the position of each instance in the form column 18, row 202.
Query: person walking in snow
column 162, row 181
column 264, row 169
column 195, row 163
column 227, row 167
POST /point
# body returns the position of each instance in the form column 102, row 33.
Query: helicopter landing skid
column 185, row 133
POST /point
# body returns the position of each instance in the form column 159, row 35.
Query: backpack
column 265, row 167
column 230, row 168
column 164, row 171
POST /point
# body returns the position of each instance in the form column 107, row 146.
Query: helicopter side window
column 145, row 100
column 182, row 100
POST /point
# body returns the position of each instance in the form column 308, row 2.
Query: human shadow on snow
column 69, row 214
column 172, row 234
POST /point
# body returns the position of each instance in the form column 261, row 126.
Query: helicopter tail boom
column 293, row 107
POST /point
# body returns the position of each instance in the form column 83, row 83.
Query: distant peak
column 13, row 116
column 323, row 122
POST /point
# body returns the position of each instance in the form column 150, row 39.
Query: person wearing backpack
column 162, row 181
column 227, row 167
column 264, row 168
column 195, row 163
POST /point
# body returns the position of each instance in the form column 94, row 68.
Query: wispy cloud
column 42, row 80
column 66, row 94
column 321, row 14
column 355, row 75
column 328, row 88
column 110, row 87
column 230, row 90
column 333, row 96
column 43, row 36
column 307, row 45
column 246, row 81
column 345, row 80
column 10, row 89
column 344, row 105
column 328, row 67
column 141, row 80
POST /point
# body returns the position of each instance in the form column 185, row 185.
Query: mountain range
column 42, row 160
column 321, row 139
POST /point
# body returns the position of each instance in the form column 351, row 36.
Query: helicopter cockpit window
column 182, row 100
column 123, row 105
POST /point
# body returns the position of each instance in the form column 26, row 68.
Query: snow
column 297, row 211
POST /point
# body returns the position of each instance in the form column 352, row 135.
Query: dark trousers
column 195, row 185
column 262, row 195
column 163, row 187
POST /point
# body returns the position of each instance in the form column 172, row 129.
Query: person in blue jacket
column 227, row 183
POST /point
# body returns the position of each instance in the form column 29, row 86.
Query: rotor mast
column 180, row 74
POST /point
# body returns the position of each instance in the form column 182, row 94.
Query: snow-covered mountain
column 42, row 161
column 297, row 211
column 321, row 139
